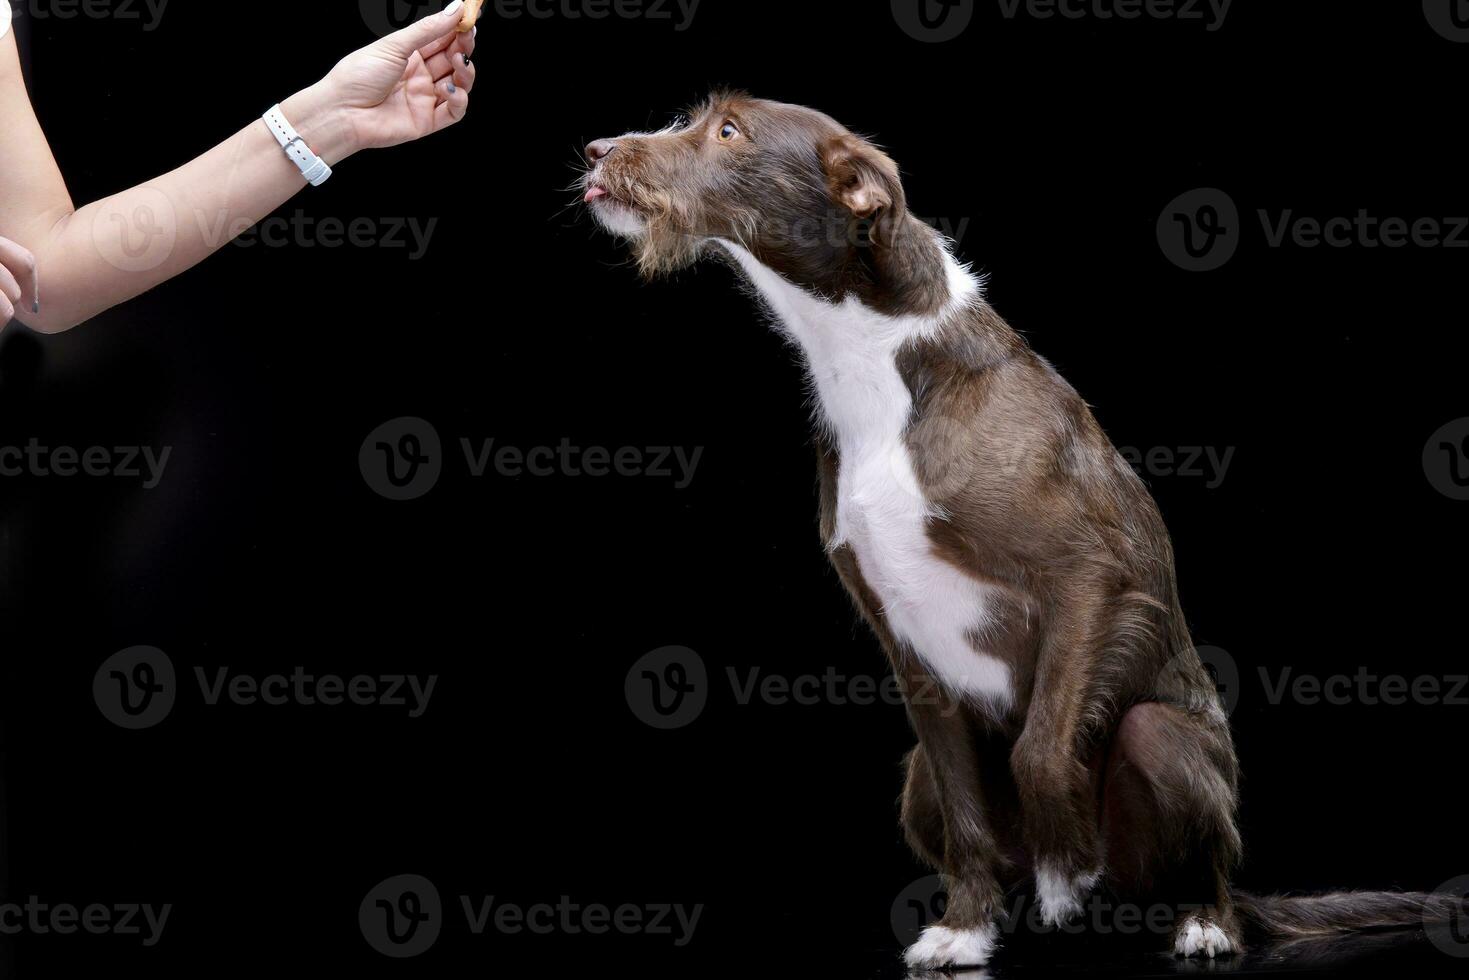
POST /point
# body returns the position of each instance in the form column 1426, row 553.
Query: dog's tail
column 1292, row 917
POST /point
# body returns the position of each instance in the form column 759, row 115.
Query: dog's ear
column 860, row 177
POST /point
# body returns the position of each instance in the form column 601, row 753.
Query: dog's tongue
column 593, row 193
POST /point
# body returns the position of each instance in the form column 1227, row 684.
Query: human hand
column 20, row 288
column 403, row 87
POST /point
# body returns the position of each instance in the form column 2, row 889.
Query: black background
column 1055, row 145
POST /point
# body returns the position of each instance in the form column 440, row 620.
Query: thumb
column 403, row 43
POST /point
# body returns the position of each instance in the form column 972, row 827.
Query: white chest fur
column 930, row 604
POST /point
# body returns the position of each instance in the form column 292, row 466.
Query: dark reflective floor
column 1408, row 954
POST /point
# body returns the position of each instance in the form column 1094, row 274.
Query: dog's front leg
column 945, row 771
column 1049, row 762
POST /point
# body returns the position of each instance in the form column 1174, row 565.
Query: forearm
column 116, row 248
column 75, row 263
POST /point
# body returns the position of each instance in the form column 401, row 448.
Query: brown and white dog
column 992, row 537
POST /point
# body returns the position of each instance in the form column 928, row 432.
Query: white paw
column 1060, row 896
column 940, row 946
column 1199, row 937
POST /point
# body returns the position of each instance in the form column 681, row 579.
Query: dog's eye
column 728, row 132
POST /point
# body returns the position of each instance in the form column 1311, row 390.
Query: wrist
column 322, row 123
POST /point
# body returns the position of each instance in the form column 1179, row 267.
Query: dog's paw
column 940, row 947
column 1199, row 937
column 1061, row 895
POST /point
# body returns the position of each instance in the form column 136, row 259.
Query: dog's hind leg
column 1168, row 821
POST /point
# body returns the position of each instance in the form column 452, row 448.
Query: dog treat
column 470, row 15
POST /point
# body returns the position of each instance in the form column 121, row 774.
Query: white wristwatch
column 313, row 167
column 4, row 17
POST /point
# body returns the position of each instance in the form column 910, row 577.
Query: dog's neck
column 851, row 348
column 896, row 267
column 919, row 287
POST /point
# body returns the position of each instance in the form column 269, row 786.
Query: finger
column 7, row 311
column 447, row 90
column 464, row 43
column 431, row 29
column 439, row 46
column 452, row 109
column 451, row 42
column 9, row 288
column 22, row 265
column 464, row 74
column 459, row 66
column 440, row 65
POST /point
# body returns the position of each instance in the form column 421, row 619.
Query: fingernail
column 453, row 6
column 36, row 307
column 451, row 87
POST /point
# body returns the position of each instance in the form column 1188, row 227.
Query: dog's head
column 802, row 193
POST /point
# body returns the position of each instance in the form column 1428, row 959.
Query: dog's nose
column 601, row 148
